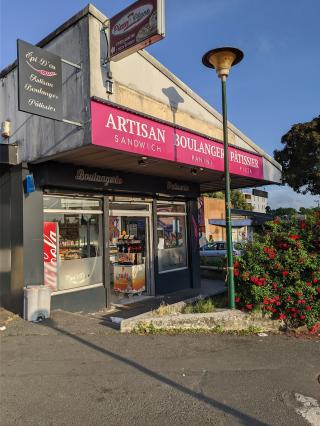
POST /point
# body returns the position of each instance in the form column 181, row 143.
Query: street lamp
column 222, row 59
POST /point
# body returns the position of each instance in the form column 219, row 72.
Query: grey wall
column 39, row 137
column 33, row 238
column 21, row 238
column 5, row 235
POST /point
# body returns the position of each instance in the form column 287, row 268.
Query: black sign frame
column 39, row 81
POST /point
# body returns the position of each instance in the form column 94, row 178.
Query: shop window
column 72, row 243
column 69, row 203
column 171, row 208
column 171, row 234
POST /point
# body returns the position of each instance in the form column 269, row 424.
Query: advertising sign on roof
column 136, row 27
column 40, row 81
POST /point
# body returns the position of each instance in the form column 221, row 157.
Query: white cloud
column 284, row 196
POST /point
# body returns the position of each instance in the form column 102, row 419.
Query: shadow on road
column 246, row 419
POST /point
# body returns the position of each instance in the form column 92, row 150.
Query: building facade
column 258, row 199
column 114, row 212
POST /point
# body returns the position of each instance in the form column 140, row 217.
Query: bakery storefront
column 100, row 204
column 111, row 236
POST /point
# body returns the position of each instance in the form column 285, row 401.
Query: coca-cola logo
column 132, row 19
column 50, row 255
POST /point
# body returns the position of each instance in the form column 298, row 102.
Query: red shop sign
column 126, row 131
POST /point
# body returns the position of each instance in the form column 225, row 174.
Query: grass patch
column 165, row 310
column 202, row 306
column 205, row 306
column 145, row 329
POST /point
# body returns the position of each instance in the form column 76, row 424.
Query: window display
column 78, row 244
column 127, row 254
column 171, row 232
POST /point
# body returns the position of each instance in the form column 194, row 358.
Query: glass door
column 129, row 251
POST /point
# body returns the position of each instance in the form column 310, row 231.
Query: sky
column 275, row 86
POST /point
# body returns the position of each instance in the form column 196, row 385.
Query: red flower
column 282, row 317
column 249, row 307
column 308, row 308
column 236, row 272
column 266, row 301
column 302, row 224
column 315, row 329
column 236, row 264
column 274, row 285
column 302, row 317
column 299, row 294
column 237, row 299
column 288, row 299
column 308, row 284
column 285, row 273
column 315, row 280
column 318, row 289
column 294, row 237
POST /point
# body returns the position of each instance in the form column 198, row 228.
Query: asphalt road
column 64, row 378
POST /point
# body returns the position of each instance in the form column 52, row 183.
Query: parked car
column 213, row 254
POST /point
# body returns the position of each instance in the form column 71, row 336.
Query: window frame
column 173, row 214
column 98, row 212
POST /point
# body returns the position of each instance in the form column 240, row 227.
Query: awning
column 235, row 223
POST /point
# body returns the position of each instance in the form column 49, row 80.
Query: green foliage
column 202, row 306
column 290, row 211
column 300, row 157
column 279, row 272
column 238, row 200
column 283, row 211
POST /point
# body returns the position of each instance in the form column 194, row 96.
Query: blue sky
column 275, row 86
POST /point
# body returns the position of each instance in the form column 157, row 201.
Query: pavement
column 75, row 369
column 100, row 322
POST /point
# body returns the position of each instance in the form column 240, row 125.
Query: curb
column 220, row 319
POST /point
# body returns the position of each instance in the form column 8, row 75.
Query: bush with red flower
column 279, row 272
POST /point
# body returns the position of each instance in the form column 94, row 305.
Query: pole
column 230, row 277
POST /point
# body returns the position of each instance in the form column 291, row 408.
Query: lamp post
column 222, row 59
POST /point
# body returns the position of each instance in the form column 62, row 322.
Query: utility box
column 37, row 301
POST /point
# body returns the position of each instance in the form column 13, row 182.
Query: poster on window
column 50, row 249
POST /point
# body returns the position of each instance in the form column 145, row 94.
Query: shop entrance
column 131, row 272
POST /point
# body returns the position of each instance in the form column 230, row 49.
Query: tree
column 300, row 157
column 308, row 210
column 283, row 211
column 238, row 200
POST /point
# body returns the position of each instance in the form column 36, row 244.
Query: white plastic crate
column 37, row 300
